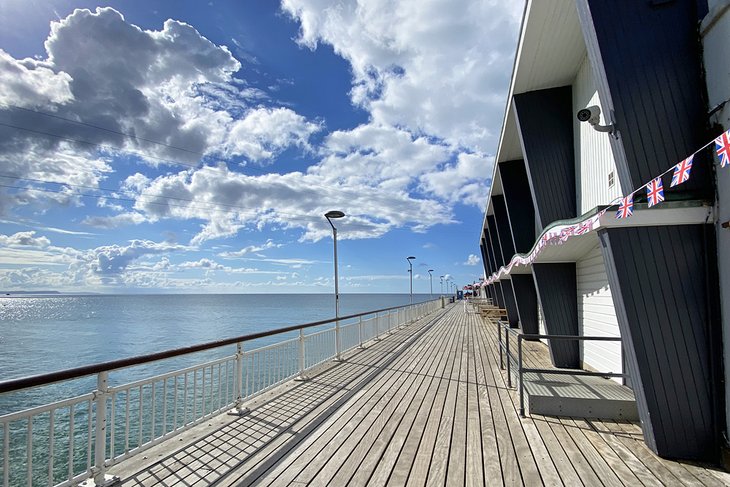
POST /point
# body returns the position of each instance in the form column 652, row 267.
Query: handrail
column 535, row 336
column 12, row 385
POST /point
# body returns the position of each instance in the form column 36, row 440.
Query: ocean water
column 50, row 333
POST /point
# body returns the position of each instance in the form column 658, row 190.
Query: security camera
column 591, row 114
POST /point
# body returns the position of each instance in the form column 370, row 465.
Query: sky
column 194, row 147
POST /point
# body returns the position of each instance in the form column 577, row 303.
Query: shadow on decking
column 209, row 459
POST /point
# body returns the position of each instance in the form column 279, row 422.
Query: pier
column 425, row 405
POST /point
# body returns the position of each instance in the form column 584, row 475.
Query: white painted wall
column 596, row 314
column 593, row 156
column 715, row 32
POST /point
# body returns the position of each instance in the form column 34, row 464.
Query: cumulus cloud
column 171, row 91
column 472, row 260
column 431, row 75
column 24, row 239
column 439, row 67
column 110, row 261
column 228, row 201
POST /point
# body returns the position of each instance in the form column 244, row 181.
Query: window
column 611, row 179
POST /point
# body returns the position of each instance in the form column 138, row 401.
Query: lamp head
column 334, row 214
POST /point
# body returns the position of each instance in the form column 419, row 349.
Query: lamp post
column 442, row 284
column 430, row 279
column 410, row 271
column 338, row 345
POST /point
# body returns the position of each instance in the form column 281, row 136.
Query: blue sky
column 166, row 146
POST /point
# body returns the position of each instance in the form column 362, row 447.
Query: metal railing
column 521, row 369
column 68, row 441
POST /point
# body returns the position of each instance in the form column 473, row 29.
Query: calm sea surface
column 45, row 334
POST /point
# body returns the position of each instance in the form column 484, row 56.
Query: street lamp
column 430, row 278
column 410, row 271
column 442, row 285
column 330, row 215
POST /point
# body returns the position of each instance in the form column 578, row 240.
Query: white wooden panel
column 593, row 157
column 596, row 314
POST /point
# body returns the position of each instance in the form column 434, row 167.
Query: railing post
column 338, row 342
column 301, row 353
column 99, row 469
column 519, row 372
column 238, row 409
column 359, row 331
column 509, row 372
column 499, row 340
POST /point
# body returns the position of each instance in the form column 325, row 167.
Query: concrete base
column 578, row 396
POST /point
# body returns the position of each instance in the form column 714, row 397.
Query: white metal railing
column 68, row 441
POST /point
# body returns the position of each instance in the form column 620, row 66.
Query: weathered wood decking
column 425, row 406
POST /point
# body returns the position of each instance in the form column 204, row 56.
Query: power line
column 86, row 124
column 105, row 147
column 291, row 216
column 122, row 150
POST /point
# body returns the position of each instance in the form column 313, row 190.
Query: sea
column 41, row 334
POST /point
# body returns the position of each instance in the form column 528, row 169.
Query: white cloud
column 24, row 239
column 171, row 86
column 472, row 260
column 28, row 83
column 439, row 67
column 265, row 132
column 227, row 201
column 250, row 249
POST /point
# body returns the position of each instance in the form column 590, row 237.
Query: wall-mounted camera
column 592, row 115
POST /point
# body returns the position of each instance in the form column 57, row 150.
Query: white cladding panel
column 593, row 157
column 596, row 314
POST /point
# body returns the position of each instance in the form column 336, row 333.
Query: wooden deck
column 425, row 406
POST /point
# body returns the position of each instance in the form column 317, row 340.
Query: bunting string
column 654, row 195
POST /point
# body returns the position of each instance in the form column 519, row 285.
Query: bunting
column 626, row 208
column 723, row 148
column 654, row 192
column 655, row 195
column 681, row 172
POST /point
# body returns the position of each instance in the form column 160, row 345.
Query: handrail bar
column 20, row 383
column 529, row 336
column 587, row 373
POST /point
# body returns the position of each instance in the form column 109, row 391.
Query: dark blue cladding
column 520, row 209
column 545, row 121
column 663, row 290
column 526, row 299
column 557, row 291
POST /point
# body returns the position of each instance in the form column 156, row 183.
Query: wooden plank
column 362, row 450
column 474, row 450
column 274, row 452
column 538, row 445
column 624, row 464
column 420, row 469
column 412, row 445
column 596, row 460
column 657, row 465
column 385, row 469
column 311, row 456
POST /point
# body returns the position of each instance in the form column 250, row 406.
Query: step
column 578, row 396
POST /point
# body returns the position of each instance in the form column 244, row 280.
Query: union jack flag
column 654, row 192
column 723, row 148
column 681, row 172
column 626, row 207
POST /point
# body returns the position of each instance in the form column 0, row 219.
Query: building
column 555, row 255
